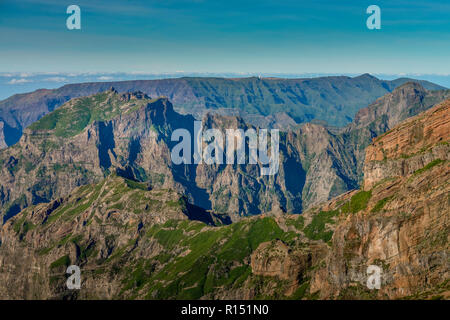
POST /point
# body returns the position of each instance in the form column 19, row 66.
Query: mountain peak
column 138, row 95
column 366, row 76
column 410, row 85
column 76, row 114
column 112, row 89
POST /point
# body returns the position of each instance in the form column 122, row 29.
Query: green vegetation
column 74, row 116
column 63, row 261
column 136, row 185
column 301, row 292
column 18, row 224
column 429, row 166
column 22, row 226
column 357, row 291
column 167, row 238
column 48, row 145
column 380, row 204
column 44, row 251
column 297, row 222
column 64, row 240
column 28, row 166
column 117, row 193
column 435, row 293
column 357, row 203
column 317, row 229
column 195, row 259
column 212, row 259
column 86, row 250
column 83, row 199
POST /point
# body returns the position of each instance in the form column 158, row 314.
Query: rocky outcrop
column 400, row 221
column 2, row 135
column 410, row 146
column 276, row 259
column 382, row 115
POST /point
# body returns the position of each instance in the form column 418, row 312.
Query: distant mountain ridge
column 90, row 137
column 288, row 101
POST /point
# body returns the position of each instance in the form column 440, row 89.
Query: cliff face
column 290, row 264
column 401, row 218
column 335, row 160
column 2, row 136
column 409, row 147
column 382, row 115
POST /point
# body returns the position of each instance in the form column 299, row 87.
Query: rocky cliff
column 400, row 221
column 382, row 115
column 409, row 147
column 2, row 136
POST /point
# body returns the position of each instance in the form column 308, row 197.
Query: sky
column 236, row 36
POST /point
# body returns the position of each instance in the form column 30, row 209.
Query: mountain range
column 91, row 182
column 130, row 133
column 136, row 234
column 276, row 102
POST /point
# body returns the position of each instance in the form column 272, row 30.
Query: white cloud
column 56, row 79
column 137, row 73
column 18, row 81
column 103, row 78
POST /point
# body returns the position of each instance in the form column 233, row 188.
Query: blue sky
column 267, row 36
